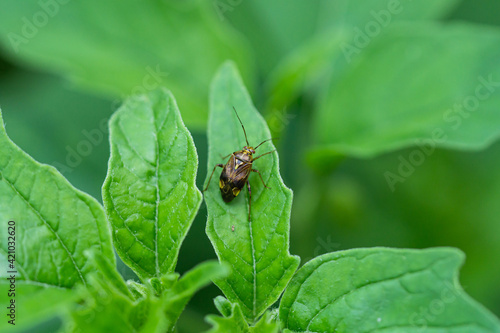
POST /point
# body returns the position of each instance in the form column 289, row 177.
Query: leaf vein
column 47, row 225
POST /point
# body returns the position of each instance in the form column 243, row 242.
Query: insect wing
column 241, row 174
column 233, row 177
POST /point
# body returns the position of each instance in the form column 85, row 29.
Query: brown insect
column 236, row 171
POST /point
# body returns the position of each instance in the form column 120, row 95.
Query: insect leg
column 249, row 200
column 215, row 167
column 269, row 152
column 255, row 170
column 224, row 157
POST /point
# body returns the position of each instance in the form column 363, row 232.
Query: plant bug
column 236, row 171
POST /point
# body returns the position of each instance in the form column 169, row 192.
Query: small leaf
column 257, row 251
column 272, row 36
column 382, row 289
column 175, row 299
column 149, row 313
column 28, row 297
column 235, row 322
column 54, row 224
column 149, row 193
column 341, row 37
column 137, row 289
column 383, row 101
column 110, row 273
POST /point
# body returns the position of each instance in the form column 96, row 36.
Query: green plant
column 64, row 248
column 65, row 262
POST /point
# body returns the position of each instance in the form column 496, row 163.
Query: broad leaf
column 382, row 289
column 345, row 28
column 149, row 193
column 54, row 224
column 409, row 87
column 351, row 15
column 257, row 251
column 272, row 36
column 125, row 48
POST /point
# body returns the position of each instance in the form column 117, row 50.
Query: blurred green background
column 344, row 119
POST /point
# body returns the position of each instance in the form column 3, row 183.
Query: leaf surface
column 176, row 299
column 27, row 299
column 410, row 88
column 54, row 224
column 383, row 290
column 235, row 322
column 344, row 29
column 149, row 193
column 126, row 48
column 256, row 251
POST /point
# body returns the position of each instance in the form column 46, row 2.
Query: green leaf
column 148, row 313
column 137, row 289
column 382, row 289
column 178, row 296
column 257, row 251
column 149, row 193
column 74, row 140
column 385, row 102
column 274, row 37
column 349, row 14
column 223, row 305
column 54, row 224
column 107, row 296
column 342, row 35
column 114, row 51
column 110, row 274
column 301, row 68
column 268, row 323
column 464, row 211
column 235, row 322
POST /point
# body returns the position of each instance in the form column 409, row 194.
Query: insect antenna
column 265, row 141
column 244, row 132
